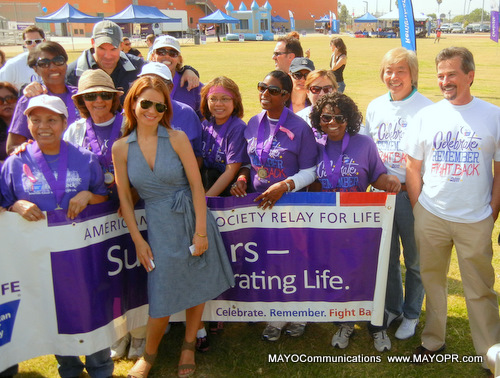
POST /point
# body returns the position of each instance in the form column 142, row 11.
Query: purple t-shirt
column 233, row 146
column 287, row 156
column 19, row 123
column 84, row 173
column 361, row 164
column 191, row 98
column 184, row 118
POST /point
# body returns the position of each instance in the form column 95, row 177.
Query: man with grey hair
column 387, row 120
column 453, row 147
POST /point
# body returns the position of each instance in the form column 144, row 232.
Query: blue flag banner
column 407, row 25
column 76, row 286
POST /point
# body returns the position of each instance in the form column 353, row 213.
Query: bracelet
column 242, row 178
column 201, row 235
column 289, row 189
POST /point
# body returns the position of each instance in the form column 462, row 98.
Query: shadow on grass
column 239, row 352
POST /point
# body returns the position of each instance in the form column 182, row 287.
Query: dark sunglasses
column 278, row 53
column 8, row 100
column 29, row 42
column 316, row 89
column 170, row 53
column 299, row 75
column 160, row 108
column 105, row 96
column 328, row 118
column 45, row 63
column 272, row 89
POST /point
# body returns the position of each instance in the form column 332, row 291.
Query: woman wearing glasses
column 8, row 101
column 223, row 143
column 283, row 155
column 49, row 60
column 98, row 101
column 167, row 50
column 347, row 162
column 299, row 70
column 318, row 84
column 160, row 163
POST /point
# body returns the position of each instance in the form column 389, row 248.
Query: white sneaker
column 136, row 348
column 392, row 317
column 119, row 348
column 381, row 341
column 406, row 329
column 341, row 337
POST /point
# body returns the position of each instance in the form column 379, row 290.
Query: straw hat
column 95, row 81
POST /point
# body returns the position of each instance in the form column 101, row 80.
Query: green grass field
column 239, row 352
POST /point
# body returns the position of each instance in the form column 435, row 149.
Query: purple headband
column 219, row 89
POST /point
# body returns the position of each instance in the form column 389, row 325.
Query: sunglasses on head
column 29, row 42
column 328, row 118
column 160, row 108
column 93, row 96
column 300, row 75
column 45, row 63
column 8, row 100
column 170, row 53
column 316, row 89
column 272, row 89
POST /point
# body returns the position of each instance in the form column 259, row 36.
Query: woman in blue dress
column 160, row 163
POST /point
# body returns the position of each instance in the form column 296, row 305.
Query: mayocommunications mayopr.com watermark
column 361, row 358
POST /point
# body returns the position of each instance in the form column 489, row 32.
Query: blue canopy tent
column 141, row 14
column 218, row 17
column 278, row 18
column 68, row 14
column 325, row 18
column 366, row 18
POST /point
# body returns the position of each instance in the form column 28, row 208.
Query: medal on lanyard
column 262, row 150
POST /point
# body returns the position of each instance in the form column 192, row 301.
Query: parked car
column 482, row 28
column 469, row 28
column 445, row 28
column 457, row 29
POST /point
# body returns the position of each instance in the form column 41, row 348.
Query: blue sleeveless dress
column 180, row 280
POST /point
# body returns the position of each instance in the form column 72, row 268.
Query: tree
column 344, row 14
column 475, row 15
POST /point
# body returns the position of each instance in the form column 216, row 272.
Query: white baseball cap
column 155, row 68
column 167, row 41
column 48, row 102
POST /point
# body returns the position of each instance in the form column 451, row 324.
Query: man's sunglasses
column 29, row 42
column 45, row 63
column 328, row 118
column 278, row 53
column 316, row 89
column 300, row 75
column 105, row 96
column 170, row 53
column 8, row 100
column 272, row 89
column 160, row 108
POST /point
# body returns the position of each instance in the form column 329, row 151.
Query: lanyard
column 333, row 174
column 262, row 150
column 216, row 140
column 58, row 186
column 103, row 153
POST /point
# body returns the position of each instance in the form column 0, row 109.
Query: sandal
column 190, row 367
column 142, row 371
